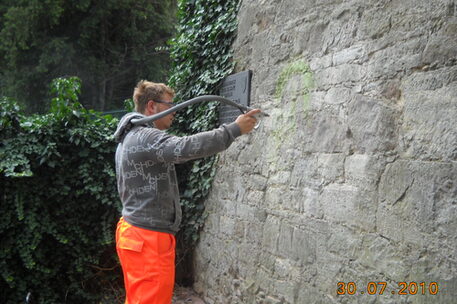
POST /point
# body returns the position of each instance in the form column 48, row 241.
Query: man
column 148, row 189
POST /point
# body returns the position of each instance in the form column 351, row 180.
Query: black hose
column 187, row 103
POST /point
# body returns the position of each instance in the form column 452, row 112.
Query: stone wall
column 353, row 178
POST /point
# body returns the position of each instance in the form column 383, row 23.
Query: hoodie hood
column 125, row 125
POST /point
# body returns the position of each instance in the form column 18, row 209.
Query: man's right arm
column 168, row 148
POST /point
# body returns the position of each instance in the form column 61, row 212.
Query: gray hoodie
column 145, row 169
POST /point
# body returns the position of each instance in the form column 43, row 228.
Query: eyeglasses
column 170, row 104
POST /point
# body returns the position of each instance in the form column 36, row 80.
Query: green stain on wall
column 286, row 115
column 299, row 70
column 297, row 67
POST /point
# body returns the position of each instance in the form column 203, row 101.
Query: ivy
column 59, row 202
column 201, row 57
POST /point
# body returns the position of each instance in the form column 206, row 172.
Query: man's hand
column 247, row 121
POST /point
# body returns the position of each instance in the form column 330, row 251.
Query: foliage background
column 59, row 201
column 109, row 45
column 58, row 194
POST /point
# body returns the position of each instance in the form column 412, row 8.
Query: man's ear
column 151, row 108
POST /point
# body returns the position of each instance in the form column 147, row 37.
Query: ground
column 185, row 295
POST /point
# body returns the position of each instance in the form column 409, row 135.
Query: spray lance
column 192, row 101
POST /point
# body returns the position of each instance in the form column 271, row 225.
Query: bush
column 59, row 201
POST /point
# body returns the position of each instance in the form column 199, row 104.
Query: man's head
column 151, row 98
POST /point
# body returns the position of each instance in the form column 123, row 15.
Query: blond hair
column 146, row 91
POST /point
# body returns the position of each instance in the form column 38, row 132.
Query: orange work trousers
column 148, row 262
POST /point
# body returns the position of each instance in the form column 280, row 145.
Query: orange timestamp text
column 379, row 288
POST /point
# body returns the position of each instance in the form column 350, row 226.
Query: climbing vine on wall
column 201, row 57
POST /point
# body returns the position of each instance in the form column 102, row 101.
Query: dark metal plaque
column 236, row 87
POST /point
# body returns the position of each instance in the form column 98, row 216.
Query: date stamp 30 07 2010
column 379, row 288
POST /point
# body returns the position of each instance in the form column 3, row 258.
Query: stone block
column 272, row 300
column 247, row 269
column 349, row 55
column 258, row 182
column 228, row 208
column 267, row 262
column 383, row 255
column 374, row 23
column 348, row 205
column 342, row 74
column 395, row 181
column 273, row 197
column 330, row 166
column 271, row 234
column 263, row 279
column 342, row 25
column 279, row 178
column 427, row 79
column 311, row 294
column 415, row 200
column 224, row 188
column 204, row 245
column 212, row 224
column 327, row 133
column 390, row 60
column 240, row 230
column 304, row 172
column 441, row 46
column 372, row 125
column 254, row 233
column 396, row 223
column 328, row 266
column 363, row 170
column 344, row 242
column 310, row 203
column 282, row 269
column 303, row 248
column 285, row 240
column 310, row 36
column 245, row 212
column 336, row 95
column 427, row 131
column 292, row 200
column 255, row 198
column 321, row 63
column 227, row 226
column 285, row 289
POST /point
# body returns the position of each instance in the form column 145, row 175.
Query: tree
column 110, row 45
